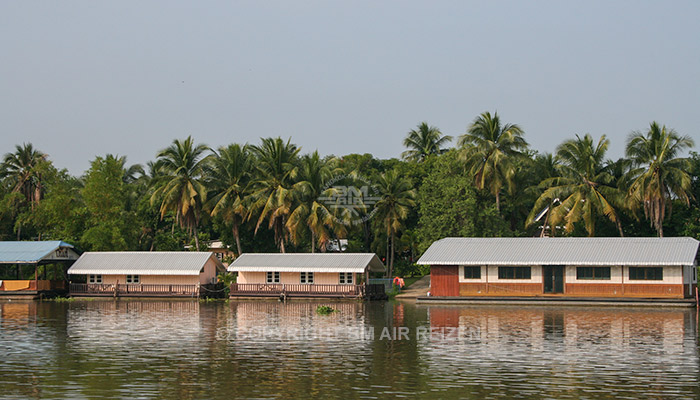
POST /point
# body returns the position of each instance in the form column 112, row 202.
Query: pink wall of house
column 320, row 278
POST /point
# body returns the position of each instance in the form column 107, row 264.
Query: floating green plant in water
column 325, row 310
column 61, row 299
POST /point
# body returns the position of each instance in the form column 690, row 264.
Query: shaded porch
column 307, row 290
column 133, row 290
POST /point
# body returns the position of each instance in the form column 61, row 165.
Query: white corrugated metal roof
column 561, row 251
column 306, row 262
column 142, row 263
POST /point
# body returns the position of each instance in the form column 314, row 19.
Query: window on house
column 132, row 279
column 514, row 273
column 345, row 278
column 273, row 277
column 472, row 272
column 602, row 273
column 307, row 277
column 94, row 278
column 646, row 273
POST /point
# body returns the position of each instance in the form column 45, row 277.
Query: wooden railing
column 296, row 289
column 133, row 289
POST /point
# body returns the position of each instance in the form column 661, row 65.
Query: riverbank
column 417, row 289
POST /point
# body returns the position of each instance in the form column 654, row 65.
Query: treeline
column 271, row 197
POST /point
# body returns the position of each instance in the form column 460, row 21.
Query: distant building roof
column 142, row 263
column 306, row 262
column 36, row 252
column 562, row 251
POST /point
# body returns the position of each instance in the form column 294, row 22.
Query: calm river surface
column 187, row 350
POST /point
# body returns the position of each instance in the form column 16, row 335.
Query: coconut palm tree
column 22, row 173
column 583, row 186
column 23, row 169
column 229, row 179
column 310, row 210
column 396, row 197
column 273, row 196
column 489, row 149
column 181, row 189
column 424, row 141
column 658, row 175
column 544, row 166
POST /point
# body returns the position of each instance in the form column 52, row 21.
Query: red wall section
column 444, row 280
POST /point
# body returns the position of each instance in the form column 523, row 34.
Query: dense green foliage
column 273, row 197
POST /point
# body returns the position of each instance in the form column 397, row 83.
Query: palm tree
column 658, row 175
column 23, row 172
column 310, row 210
column 583, row 186
column 273, row 196
column 229, row 179
column 396, row 199
column 182, row 189
column 424, row 141
column 545, row 166
column 489, row 150
column 23, row 168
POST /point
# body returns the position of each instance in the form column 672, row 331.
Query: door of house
column 553, row 277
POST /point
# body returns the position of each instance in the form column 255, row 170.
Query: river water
column 189, row 350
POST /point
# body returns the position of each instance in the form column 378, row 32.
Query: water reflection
column 185, row 349
column 566, row 352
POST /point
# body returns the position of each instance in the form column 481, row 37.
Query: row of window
column 583, row 273
column 503, row 272
column 272, row 277
column 344, row 278
column 131, row 279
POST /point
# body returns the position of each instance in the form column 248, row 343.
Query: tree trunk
column 367, row 236
column 546, row 220
column 237, row 236
column 388, row 270
column 280, row 229
column 661, row 230
column 391, row 266
column 619, row 228
column 196, row 238
column 498, row 202
column 313, row 242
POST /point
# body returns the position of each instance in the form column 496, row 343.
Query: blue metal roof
column 28, row 252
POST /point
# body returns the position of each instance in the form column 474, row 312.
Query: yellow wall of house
column 205, row 277
column 209, row 274
column 250, row 277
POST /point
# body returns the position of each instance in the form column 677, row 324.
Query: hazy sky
column 80, row 79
